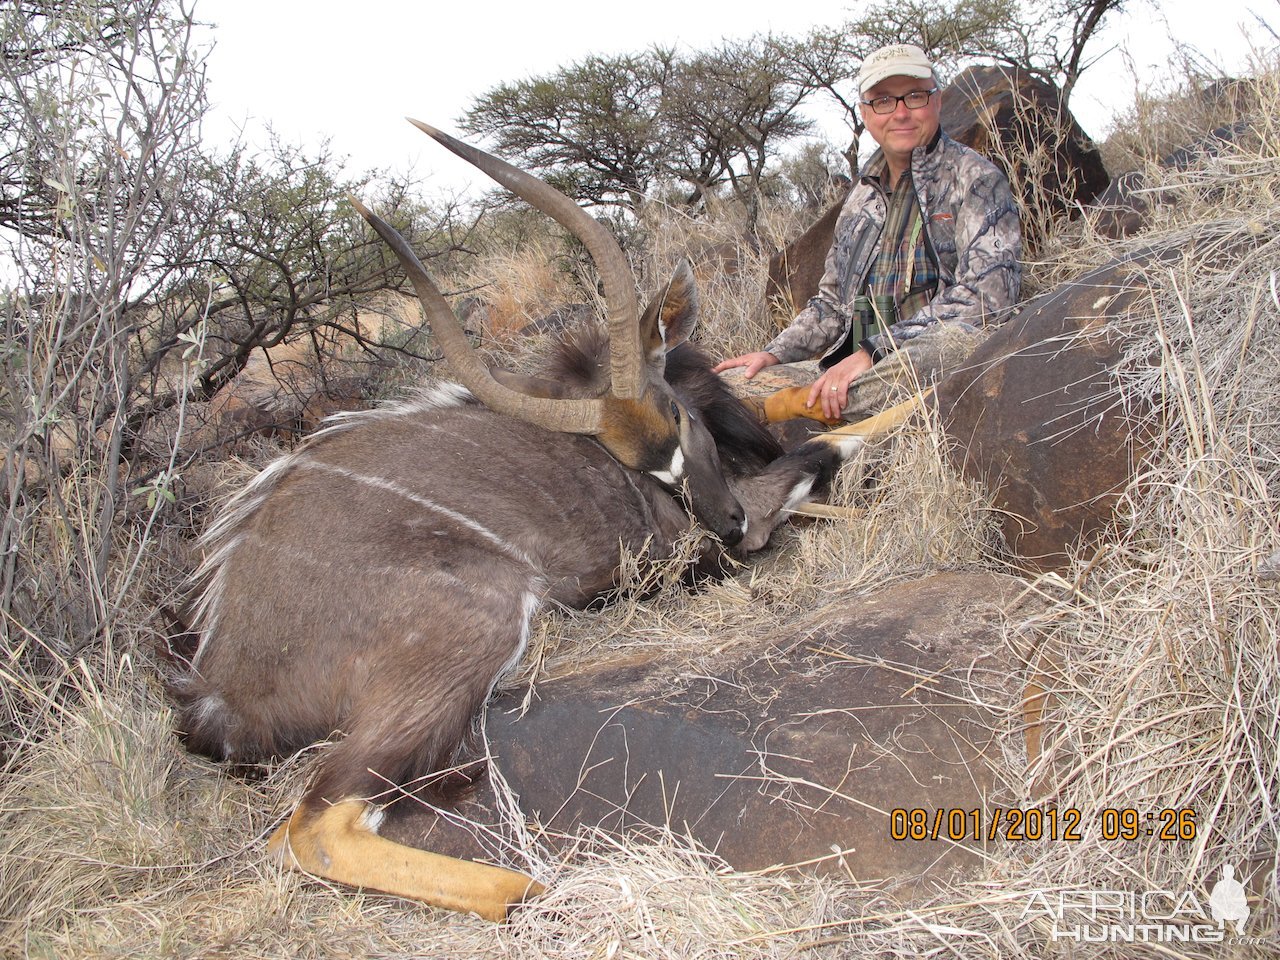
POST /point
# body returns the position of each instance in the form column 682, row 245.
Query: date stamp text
column 1034, row 823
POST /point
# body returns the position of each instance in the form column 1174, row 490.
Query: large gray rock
column 1036, row 415
column 786, row 754
column 1009, row 116
column 1125, row 206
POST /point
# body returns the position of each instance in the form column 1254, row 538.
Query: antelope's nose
column 733, row 536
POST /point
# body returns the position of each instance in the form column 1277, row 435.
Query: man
column 926, row 252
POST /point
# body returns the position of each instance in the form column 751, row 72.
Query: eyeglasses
column 886, row 105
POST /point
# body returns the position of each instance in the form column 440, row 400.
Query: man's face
column 900, row 132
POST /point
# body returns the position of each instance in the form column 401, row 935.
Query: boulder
column 1124, row 207
column 794, row 753
column 1011, row 117
column 1036, row 415
column 795, row 270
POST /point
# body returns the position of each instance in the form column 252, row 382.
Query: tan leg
column 338, row 844
column 787, row 404
column 843, row 438
column 1034, row 699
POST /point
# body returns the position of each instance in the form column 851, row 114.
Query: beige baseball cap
column 895, row 60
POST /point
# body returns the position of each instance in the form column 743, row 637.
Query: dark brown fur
column 374, row 585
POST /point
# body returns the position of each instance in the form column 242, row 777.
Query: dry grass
column 1161, row 122
column 731, row 269
column 1162, row 649
column 1159, row 653
column 519, row 287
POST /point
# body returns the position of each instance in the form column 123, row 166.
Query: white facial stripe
column 671, row 476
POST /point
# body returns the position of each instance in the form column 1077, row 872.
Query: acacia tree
column 731, row 108
column 591, row 128
column 827, row 60
column 606, row 130
column 1049, row 40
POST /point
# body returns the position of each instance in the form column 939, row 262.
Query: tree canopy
column 608, row 130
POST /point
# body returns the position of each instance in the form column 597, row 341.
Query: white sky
column 352, row 71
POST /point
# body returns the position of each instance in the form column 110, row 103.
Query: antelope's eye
column 675, row 412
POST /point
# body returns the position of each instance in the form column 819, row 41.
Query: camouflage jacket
column 971, row 225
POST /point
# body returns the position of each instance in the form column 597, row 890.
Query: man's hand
column 832, row 388
column 754, row 362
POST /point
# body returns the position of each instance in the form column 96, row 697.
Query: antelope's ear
column 668, row 320
column 531, row 386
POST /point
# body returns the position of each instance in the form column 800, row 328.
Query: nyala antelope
column 374, row 584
